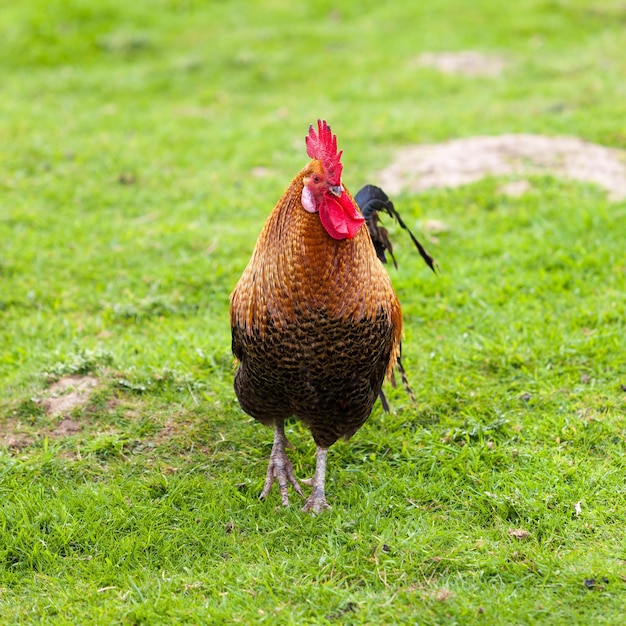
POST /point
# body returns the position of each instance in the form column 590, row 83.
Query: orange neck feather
column 298, row 269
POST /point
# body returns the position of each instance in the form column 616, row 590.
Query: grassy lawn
column 142, row 145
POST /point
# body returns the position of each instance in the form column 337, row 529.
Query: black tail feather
column 383, row 401
column 371, row 200
column 405, row 383
column 405, row 380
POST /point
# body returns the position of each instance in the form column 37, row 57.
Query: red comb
column 323, row 147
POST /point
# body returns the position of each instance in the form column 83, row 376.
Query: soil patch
column 67, row 393
column 15, row 441
column 67, row 427
column 463, row 161
column 464, row 62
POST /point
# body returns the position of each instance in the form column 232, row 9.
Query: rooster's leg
column 317, row 500
column 280, row 468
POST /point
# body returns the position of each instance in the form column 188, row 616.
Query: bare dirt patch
column 515, row 188
column 67, row 393
column 463, row 62
column 462, row 161
column 67, row 427
column 15, row 440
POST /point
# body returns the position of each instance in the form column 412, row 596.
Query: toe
column 316, row 503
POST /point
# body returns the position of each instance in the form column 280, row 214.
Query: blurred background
column 142, row 146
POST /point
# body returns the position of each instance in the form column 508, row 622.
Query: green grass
column 129, row 207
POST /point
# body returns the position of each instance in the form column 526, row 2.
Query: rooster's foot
column 280, row 468
column 316, row 502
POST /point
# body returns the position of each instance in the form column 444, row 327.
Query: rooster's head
column 323, row 191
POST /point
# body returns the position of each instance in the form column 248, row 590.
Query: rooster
column 316, row 324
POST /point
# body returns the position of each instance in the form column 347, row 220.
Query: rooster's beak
column 337, row 190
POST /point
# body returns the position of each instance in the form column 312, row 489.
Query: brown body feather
column 316, row 323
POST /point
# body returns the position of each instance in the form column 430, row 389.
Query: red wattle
column 340, row 217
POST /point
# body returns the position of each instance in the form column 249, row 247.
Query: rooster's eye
column 316, row 179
